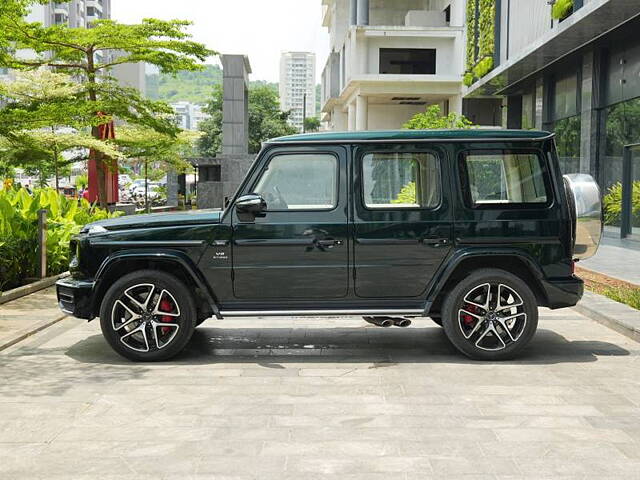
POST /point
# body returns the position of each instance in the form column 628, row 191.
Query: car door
column 298, row 248
column 402, row 219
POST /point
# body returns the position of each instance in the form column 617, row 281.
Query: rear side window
column 401, row 180
column 506, row 177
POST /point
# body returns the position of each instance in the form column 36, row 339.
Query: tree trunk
column 95, row 131
column 55, row 163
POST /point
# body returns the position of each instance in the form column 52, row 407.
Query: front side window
column 401, row 180
column 300, row 182
column 502, row 177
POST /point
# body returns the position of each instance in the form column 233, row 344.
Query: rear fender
column 474, row 256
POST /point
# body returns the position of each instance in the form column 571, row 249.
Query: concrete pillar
column 514, row 111
column 539, row 105
column 363, row 12
column 362, row 113
column 353, row 19
column 589, row 114
column 235, row 105
column 351, row 117
column 172, row 188
column 455, row 104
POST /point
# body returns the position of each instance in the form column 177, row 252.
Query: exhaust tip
column 384, row 322
column 402, row 322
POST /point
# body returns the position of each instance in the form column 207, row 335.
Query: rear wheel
column 148, row 316
column 490, row 315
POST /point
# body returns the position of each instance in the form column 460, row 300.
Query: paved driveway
column 320, row 399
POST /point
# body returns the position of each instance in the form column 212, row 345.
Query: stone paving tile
column 269, row 398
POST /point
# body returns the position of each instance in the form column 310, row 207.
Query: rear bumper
column 562, row 293
column 75, row 297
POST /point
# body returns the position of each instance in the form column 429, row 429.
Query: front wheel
column 490, row 315
column 148, row 316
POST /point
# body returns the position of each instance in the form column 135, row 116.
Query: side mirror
column 251, row 205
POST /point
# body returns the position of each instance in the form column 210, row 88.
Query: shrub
column 432, row 118
column 562, row 9
column 612, row 204
column 19, row 231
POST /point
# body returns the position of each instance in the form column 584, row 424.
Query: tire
column 437, row 320
column 201, row 321
column 155, row 298
column 497, row 331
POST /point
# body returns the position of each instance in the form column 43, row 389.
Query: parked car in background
column 124, row 180
column 473, row 228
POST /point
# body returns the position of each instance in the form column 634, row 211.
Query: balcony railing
column 388, row 17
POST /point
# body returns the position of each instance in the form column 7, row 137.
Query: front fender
column 177, row 257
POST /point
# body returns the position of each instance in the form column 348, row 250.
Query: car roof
column 414, row 135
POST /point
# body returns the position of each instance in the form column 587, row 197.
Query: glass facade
column 568, row 141
column 565, row 121
column 621, row 127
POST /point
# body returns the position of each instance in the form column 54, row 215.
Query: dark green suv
column 473, row 228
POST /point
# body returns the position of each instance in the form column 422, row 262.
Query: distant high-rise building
column 189, row 115
column 75, row 13
column 297, row 78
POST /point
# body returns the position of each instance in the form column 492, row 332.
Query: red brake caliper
column 166, row 306
column 468, row 319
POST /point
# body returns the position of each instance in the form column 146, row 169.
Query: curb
column 617, row 316
column 25, row 290
column 22, row 334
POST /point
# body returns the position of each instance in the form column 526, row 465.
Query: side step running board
column 319, row 313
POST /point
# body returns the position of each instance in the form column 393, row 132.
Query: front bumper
column 562, row 293
column 75, row 297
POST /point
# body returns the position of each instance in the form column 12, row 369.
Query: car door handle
column 329, row 243
column 436, row 242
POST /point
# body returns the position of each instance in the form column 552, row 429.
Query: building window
column 211, row 173
column 60, row 18
column 408, row 61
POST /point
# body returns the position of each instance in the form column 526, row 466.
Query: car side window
column 397, row 180
column 505, row 177
column 304, row 181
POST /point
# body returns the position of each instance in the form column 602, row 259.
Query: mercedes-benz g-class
column 473, row 228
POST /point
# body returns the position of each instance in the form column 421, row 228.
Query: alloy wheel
column 492, row 316
column 146, row 318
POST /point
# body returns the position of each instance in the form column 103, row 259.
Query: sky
column 261, row 29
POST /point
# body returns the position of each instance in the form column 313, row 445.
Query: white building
column 390, row 59
column 189, row 115
column 75, row 13
column 297, row 78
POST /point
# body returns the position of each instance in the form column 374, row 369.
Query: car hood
column 157, row 220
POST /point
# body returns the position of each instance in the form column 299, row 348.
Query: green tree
column 311, row 124
column 91, row 53
column 432, row 118
column 265, row 120
column 47, row 122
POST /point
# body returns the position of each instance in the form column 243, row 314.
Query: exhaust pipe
column 401, row 322
column 384, row 322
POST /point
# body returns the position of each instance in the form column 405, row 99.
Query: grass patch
column 628, row 296
column 617, row 290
